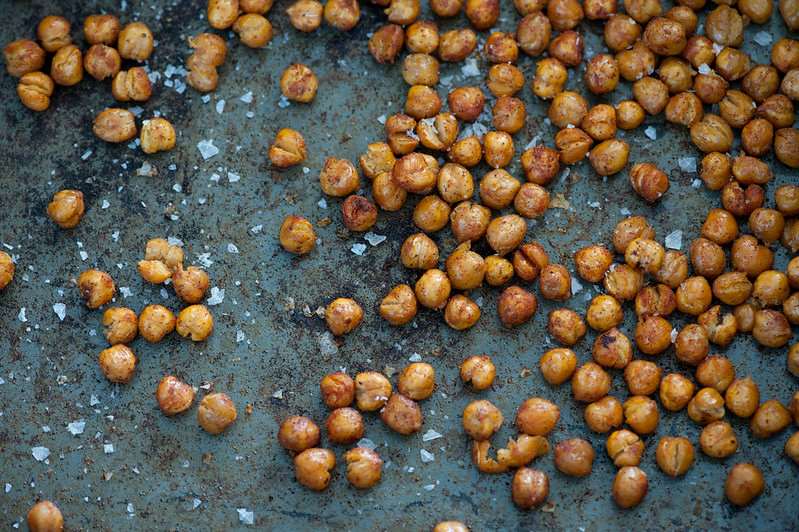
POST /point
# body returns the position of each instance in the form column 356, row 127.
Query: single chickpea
column 771, row 288
column 761, row 82
column 645, row 254
column 209, row 50
column 692, row 344
column 529, row 260
column 600, row 122
column 364, row 467
column 312, row 468
column 792, row 447
column 665, row 36
column 136, row 41
column 386, row 43
column 466, row 103
column 625, row 448
column 417, row 381
column 710, row 88
column 718, row 440
column 744, row 483
column 419, row 252
column 337, row 389
column 465, row 268
column 216, row 413
column 155, row 322
column 766, row 224
column 574, row 457
column 358, row 213
column 67, row 66
column 787, row 199
column 612, row 349
column 652, row 94
column 431, row 214
column 298, row 83
column 642, row 377
column 748, row 256
column 403, row 11
column 456, row 45
column 720, row 227
column 567, row 108
column 790, row 308
column 22, row 57
column 685, row 109
column 745, row 317
column 590, row 383
column 53, row 32
column 785, row 54
column 567, row 48
column 699, row 51
column 483, row 14
column 509, row 114
column 592, row 262
column 157, row 134
column 758, row 11
column 115, row 125
column 120, row 324
column 344, row 425
column 620, row 32
column 501, row 47
column 455, row 183
column 44, row 516
column 173, row 395
column 641, row 414
column 707, row 258
column 529, row 488
column 537, row 416
column 604, row 312
column 439, row 133
column 732, row 64
column 655, row 300
column 378, row 158
column 118, row 363
column 557, row 365
column 778, row 110
column 629, row 487
column 629, row 114
column 566, row 326
column 432, row 289
column 706, row 406
column 101, row 29
column 254, row 30
column 736, row 108
column 96, row 288
column 533, row 33
column 448, row 526
column 604, row 415
column 288, row 149
column 133, row 84
column 498, row 189
column 195, row 321
column 721, row 328
column 694, row 296
column 461, row 312
column 786, row 146
column 769, row 419
column 674, row 269
column 649, row 182
column 642, row 10
column 102, row 62
column 222, row 13
column 296, row 235
column 505, row 79
column 555, row 282
column 34, row 90
column 422, row 37
column 343, row 315
column 599, row 9
column 467, row 151
column 516, row 306
column 481, row 419
column 674, row 455
column 343, row 14
column 305, row 15
column 609, row 157
column 339, row 177
column 623, row 282
column 399, row 306
column 716, row 372
column 499, row 270
column 637, row 62
column 478, row 371
column 505, row 233
column 573, row 145
column 675, row 392
column 66, row 208
column 565, row 14
column 686, row 16
column 413, row 174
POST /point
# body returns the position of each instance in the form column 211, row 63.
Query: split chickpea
column 298, row 83
column 96, row 288
column 115, row 125
column 337, row 389
column 157, row 134
column 34, row 90
column 479, row 371
column 66, row 208
column 101, row 29
column 132, row 85
column 121, row 325
column 53, row 32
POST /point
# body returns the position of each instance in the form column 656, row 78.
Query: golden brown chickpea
column 222, row 13
column 455, row 183
column 506, row 233
column 102, row 62
column 461, row 312
column 53, row 32
column 533, row 33
column 710, row 88
column 344, row 425
column 358, row 213
column 686, row 16
column 641, row 414
column 592, row 262
column 209, row 50
column 699, row 51
column 574, row 457
column 135, row 41
column 337, row 389
column 750, row 257
column 612, row 349
column 417, row 381
column 448, row 526
column 590, row 383
column 567, row 108
column 769, row 419
column 516, row 306
column 665, row 36
column 621, row 32
column 675, row 392
column 642, row 377
column 652, row 94
column 785, row 54
column 732, row 64
column 736, row 108
column 628, row 230
column 173, row 395
column 718, row 440
column 623, row 282
column 66, row 208
column 550, row 78
column 289, row 149
column 466, row 152
column 685, row 109
column 529, row 260
column 505, row 80
column 531, row 201
column 674, row 269
column 386, row 43
column 692, row 344
column 101, row 29
column 216, row 413
column 456, row 45
column 719, row 226
column 778, row 110
column 557, row 365
column 44, row 516
column 761, row 82
column 601, row 74
column 599, row 9
column 483, row 14
column 567, row 48
column 725, row 26
column 655, row 300
column 566, row 326
column 372, row 391
column 22, row 57
column 115, row 125
column 555, row 282
column 312, row 468
column 706, row 406
column 133, row 84
column 716, row 372
column 432, row 289
column 34, row 90
column 674, row 455
column 732, row 288
column 466, row 103
column 465, row 268
column 120, row 324
column 96, row 288
column 254, row 30
column 499, row 270
column 159, row 249
column 255, row 6
column 564, row 14
column 645, row 254
column 629, row 487
column 421, row 37
column 694, row 296
column 431, row 214
column 787, row 199
column 604, row 415
column 642, row 10
column 676, row 74
column 305, row 15
column 118, row 363
column 157, row 134
column 419, row 252
column 529, row 488
column 744, row 484
column 625, row 448
column 339, row 177
column 155, row 322
column 399, row 306
column 790, row 308
column 792, row 447
column 604, row 312
column 525, row 7
column 573, row 144
column 745, row 317
column 438, row 133
column 629, row 115
column 343, row 315
column 786, row 146
column 600, row 122
column 67, row 66
column 344, row 14
column 537, row 416
column 508, row 115
column 298, row 83
column 771, row 288
column 296, row 235
column 402, row 11
column 716, row 170
column 364, row 467
column 414, row 174
column 637, row 62
column 707, row 258
column 196, row 322
column 758, row 11
column 766, row 224
column 501, row 47
column 377, row 160
column 481, row 419
column 479, row 371
column 498, row 189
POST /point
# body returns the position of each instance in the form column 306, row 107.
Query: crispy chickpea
column 641, row 414
column 456, row 45
column 431, row 214
column 339, row 177
column 66, row 208
column 604, row 415
column 337, row 389
column 732, row 288
column 710, row 88
column 629, row 115
column 566, row 326
column 44, row 516
column 604, row 312
column 565, row 14
column 652, row 94
column 533, row 33
column 628, row 230
column 766, row 224
column 155, row 322
column 600, row 122
column 645, row 254
column 719, row 226
column 102, row 62
column 665, row 36
column 567, row 108
column 790, row 308
column 483, row 14
column 555, row 282
column 718, row 440
column 254, row 30
column 778, row 110
column 196, row 322
column 642, row 377
column 173, row 395
column 706, row 406
column 23, row 56
column 115, row 125
column 694, row 296
column 53, row 32
column 466, row 103
column 573, row 144
column 481, row 419
column 421, row 37
column 736, row 108
column 792, row 447
column 676, row 74
column 621, row 32
column 629, row 487
column 157, row 134
column 674, row 455
column 455, row 183
column 721, row 329
column 417, row 381
column 590, row 383
column 432, row 289
column 758, row 11
column 716, row 372
column 685, row 109
column 692, row 344
column 120, row 324
column 345, row 14
column 399, row 306
column 529, row 260
column 529, row 488
column 67, row 66
column 298, row 83
column 466, row 152
column 699, row 51
column 190, row 284
column 550, row 78
column 344, row 425
column 744, row 484
column 786, row 146
column 725, row 26
column 769, row 419
column 118, row 363
column 209, row 50
column 623, row 282
column 478, row 371
column 133, row 84
column 537, row 416
column 312, row 468
column 465, row 268
column 402, row 11
column 297, row 235
column 557, row 365
column 506, row 233
column 715, row 171
column 358, row 213
column 343, row 315
column 707, row 258
column 372, row 391
column 732, row 64
column 771, row 288
column 260, row 7
column 101, row 29
column 674, row 269
column 637, row 62
column 599, row 9
column 787, row 199
column 498, row 189
column 592, row 262
column 499, row 270
column 505, row 79
column 574, row 457
column 567, row 48
column 96, row 288
column 222, row 13
column 289, row 148
column 508, row 114
column 386, row 43
column 748, row 256
column 649, row 182
column 745, row 317
column 785, row 54
column 655, row 300
column 612, row 349
column 516, row 306
column 601, row 74
column 625, row 448
column 419, row 252
column 501, row 47
column 364, row 467
column 305, row 15
column 438, row 134
column 761, row 82
column 377, row 160
column 34, row 90
column 642, row 10
column 413, row 173
column 675, row 392
column 135, row 41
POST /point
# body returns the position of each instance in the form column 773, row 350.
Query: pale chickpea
column 296, row 235
column 386, row 43
column 155, row 322
column 121, row 325
column 136, row 42
column 413, row 174
column 674, row 455
column 298, row 433
column 289, row 149
column 718, row 440
column 432, row 289
column 567, row 48
column 254, row 30
column 625, row 448
column 102, row 62
column 399, row 306
column 96, row 288
column 529, row 260
column 34, row 90
column 590, row 383
column 44, row 516
column 118, row 363
column 574, row 457
column 364, row 467
column 706, row 406
column 305, row 15
column 694, row 296
column 623, row 282
column 173, row 395
column 478, row 371
column 505, row 79
column 558, row 365
column 343, row 315
column 567, row 108
column 312, row 468
column 604, row 415
column 629, row 114
column 115, row 125
column 505, row 233
column 67, row 66
column 642, row 377
column 744, row 484
column 298, row 83
column 641, row 414
column 675, row 391
column 529, row 488
column 23, row 56
column 533, row 33
column 769, row 419
column 612, row 349
column 431, row 214
column 604, row 312
column 418, row 251
column 157, row 134
column 339, row 177
column 101, row 29
column 132, row 85
column 66, row 208
column 537, row 416
column 344, row 425
column 566, row 326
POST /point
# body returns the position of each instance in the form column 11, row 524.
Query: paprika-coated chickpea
column 101, row 29
column 66, row 67
column 554, row 282
column 592, row 262
column 716, row 371
column 787, row 199
column 364, row 467
column 417, row 381
column 478, row 371
column 339, row 177
column 725, row 26
column 378, row 159
column 115, row 125
column 628, row 230
column 612, row 349
column 432, row 289
column 419, row 252
column 655, row 300
column 196, row 322
column 343, row 14
column 499, row 270
column 600, row 122
column 298, row 83
column 155, row 322
column 641, row 414
column 574, row 457
column 402, row 11
column 786, row 146
column 684, row 108
column 567, row 48
column 629, row 114
column 481, row 419
column 744, row 484
column 157, row 134
column 715, row 170
column 96, row 288
column 506, row 233
column 599, row 9
column 297, row 235
column 455, row 183
column 438, row 133
column 469, row 221
column 748, row 256
column 567, row 108
column 692, row 344
column 674, row 269
column 623, row 282
column 483, row 14
column 44, row 516
column 771, row 288
column 566, row 326
column 590, row 383
column 505, row 79
column 720, row 227
column 604, row 312
column 694, row 296
column 537, row 416
column 642, row 10
column 761, row 82
column 710, row 88
column 420, row 69
column 312, row 468
column 465, row 268
column 769, row 419
column 289, row 149
column 604, row 415
column 399, row 306
column 601, row 74
column 550, row 78
column 173, row 395
column 102, row 62
column 118, row 363
column 674, row 455
column 358, row 213
column 637, row 62
column 467, row 151
column 706, row 406
column 652, row 94
column 707, row 258
column 508, row 114
column 343, row 315
column 533, row 33
column 675, row 391
column 456, row 45
column 557, row 365
column 372, row 390
column 644, row 253
column 431, row 214
column 53, row 32
column 621, row 32
column 466, row 102
column 732, row 64
column 665, row 36
column 120, row 325
column 625, row 448
column 501, row 47
column 529, row 260
column 736, row 108
column 742, row 397
column 34, row 90
column 135, row 42
column 718, row 440
column 344, row 425
column 337, row 389
column 766, row 224
column 66, row 208
column 23, row 56
column 254, row 30
column 529, row 488
column 498, row 189
column 133, row 84
column 629, row 487
column 422, row 37
column 461, row 312
column 573, row 144
column 305, row 15
column 642, row 377
column 516, row 306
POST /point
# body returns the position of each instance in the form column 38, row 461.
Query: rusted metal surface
column 167, row 473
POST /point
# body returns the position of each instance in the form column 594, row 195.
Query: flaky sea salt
column 367, row 444
column 576, row 285
column 217, row 296
column 246, row 517
column 283, row 102
column 322, row 203
column 232, row 248
column 220, row 106
column 358, row 248
column 86, row 154
column 651, row 132
column 246, row 97
column 431, row 435
column 470, row 68
column 40, row 453
column 674, row 240
column 687, row 164
column 207, row 148
column 76, row 427
column 415, row 357
column 703, row 69
column 21, row 316
column 427, row 456
column 381, row 119
column 108, row 448
column 374, row 238
column 327, row 344
column 233, row 177
column 763, row 38
column 60, row 310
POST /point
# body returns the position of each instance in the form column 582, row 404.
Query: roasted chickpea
column 115, row 125
column 399, row 305
column 790, row 308
column 787, row 199
column 66, row 208
column 529, row 260
column 358, row 213
column 516, row 306
column 725, row 26
column 718, row 440
column 612, row 349
column 298, row 83
column 645, row 254
column 456, row 45
column 652, row 94
column 637, row 62
column 716, row 170
column 628, row 230
column 732, row 64
column 343, row 315
column 758, row 11
column 732, row 288
column 686, row 16
column 706, row 406
column 466, row 103
column 402, row 11
column 602, row 74
column 156, row 321
column 505, row 80
column 642, row 10
column 685, row 109
column 778, row 110
column 101, row 29
column 771, row 288
column 642, row 377
column 461, row 312
column 195, row 321
column 766, row 224
column 455, row 183
column 23, row 56
column 629, row 115
column 736, row 108
column 118, row 363
column 344, row 425
column 785, row 54
column 745, row 317
column 550, row 78
column 508, row 114
column 499, row 270
column 533, row 33
column 378, row 159
column 417, row 381
column 312, row 468
column 345, row 14
column 157, row 134
column 716, row 372
column 419, row 252
column 505, row 233
column 431, row 214
column 372, row 391
column 592, row 262
column 483, row 14
column 135, row 41
column 289, row 149
column 566, row 326
column 625, row 448
column 675, row 392
column 674, row 455
column 557, row 365
column 466, row 152
column 421, row 37
column 44, row 516
column 438, row 134
column 555, row 282
column 655, row 300
column 465, row 268
column 641, row 414
column 339, row 177
column 623, row 282
column 96, row 288
column 761, row 82
column 53, row 32
column 629, row 487
column 364, row 467
column 173, row 395
column 479, row 371
column 674, row 269
column 621, row 32
column 692, row 344
column 786, row 146
column 420, row 69
column 750, row 257
column 102, row 62
column 694, row 296
column 432, row 289
column 719, row 226
column 133, row 84
column 567, row 48
column 574, row 457
column 337, row 389
column 744, row 484
column 120, row 324
column 600, row 122
column 498, row 189
column 298, row 433
column 699, row 51
column 67, row 66
column 255, row 6
column 296, row 235
column 412, row 173
column 769, row 419
column 710, row 88
column 34, row 90
column 665, row 36
column 604, row 415
column 707, row 258
column 481, row 419
column 222, row 13
column 604, row 312
column 305, row 15
column 567, row 108
column 590, row 383
column 573, row 144
column 529, row 488
column 599, row 9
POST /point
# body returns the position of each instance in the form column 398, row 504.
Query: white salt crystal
column 177, row 187
column 40, row 453
column 240, row 336
column 278, row 394
column 205, row 259
column 207, row 148
column 21, row 316
column 246, row 516
column 246, row 97
column 195, row 503
column 131, row 510
column 233, row 177
column 381, row 119
column 249, row 114
column 174, row 241
column 470, row 68
column 534, row 142
column 256, row 229
column 322, row 203
column 217, row 296
column 366, row 443
column 105, row 204
column 427, row 456
column 429, row 487
column 687, row 164
column 673, row 335
column 283, row 102
column 76, row 427
column 93, row 400
column 220, row 106
column 651, row 132
column 108, row 448
column 327, row 344
column 86, row 154
column 704, row 69
column 763, row 38
column 674, row 240
column 206, row 98
column 231, row 248
column 125, row 291
column 374, row 238
column 576, row 285
column 83, row 255
column 415, row 357
column 696, row 183
column 358, row 248
column 431, row 435
column 60, row 310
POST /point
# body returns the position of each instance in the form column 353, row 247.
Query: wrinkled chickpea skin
column 115, row 125
column 102, row 62
column 67, row 66
column 34, row 90
column 364, row 467
column 118, row 363
column 478, row 371
column 157, row 134
column 133, row 84
column 22, row 57
column 135, row 42
column 372, row 391
column 173, row 395
column 155, row 322
column 121, row 325
column 305, row 15
column 402, row 415
column 96, row 288
column 195, row 322
column 101, row 29
column 298, row 83
column 481, row 419
column 313, row 467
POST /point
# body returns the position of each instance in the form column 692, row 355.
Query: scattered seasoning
column 374, row 239
column 217, row 296
column 60, row 310
column 427, row 456
column 358, row 248
column 207, row 149
column 76, row 427
column 246, row 517
column 431, row 435
column 40, row 453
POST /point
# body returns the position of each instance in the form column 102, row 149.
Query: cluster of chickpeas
column 371, row 391
column 245, row 17
column 25, row 59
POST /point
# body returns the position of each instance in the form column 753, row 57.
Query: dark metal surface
column 167, row 473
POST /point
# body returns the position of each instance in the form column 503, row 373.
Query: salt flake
column 40, row 453
column 220, row 106
column 207, row 149
column 358, row 248
column 21, row 316
column 217, row 296
column 651, row 132
column 431, row 435
column 246, row 516
column 763, row 38
column 687, row 164
column 374, row 238
column 60, row 310
column 232, row 248
column 246, row 97
column 76, row 427
column 366, row 443
column 427, row 456
column 674, row 240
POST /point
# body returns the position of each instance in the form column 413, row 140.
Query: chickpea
column 66, row 208
column 786, row 145
column 642, row 377
column 260, row 7
column 504, row 79
column 305, row 15
column 298, row 83
column 483, row 14
column 516, row 306
column 505, row 233
column 209, row 50
column 720, row 226
column 399, row 305
column 529, row 488
column 344, row 425
column 778, row 110
column 372, row 391
column 461, row 312
column 665, row 36
column 629, row 487
column 655, row 300
column 567, row 108
column 621, row 32
column 296, row 235
column 422, row 37
column 758, row 11
column 736, row 108
column 343, row 315
column 718, row 440
column 599, row 9
column 716, row 372
column 222, row 13
column 118, row 363
column 529, row 260
column 787, row 199
column 481, row 419
column 195, row 321
column 771, row 288
column 744, row 483
column 432, row 289
column 725, row 26
column 431, row 214
column 602, row 74
column 675, row 392
column 439, row 133
column 338, row 390
column 386, row 43
column 133, row 84
column 448, row 526
column 790, row 308
column 403, row 11
column 592, row 262
column 358, row 213
column 604, row 312
column 419, row 252
column 629, row 115
column 466, row 103
column 674, row 455
column 345, row 14
column 499, row 270
column 710, row 88
column 101, row 29
column 604, row 415
column 254, row 30
column 573, row 145
column 466, row 152
column 676, row 74
column 465, row 268
column 67, row 66
column 706, row 406
column 96, row 288
column 625, row 448
column 732, row 288
column 641, row 414
column 479, row 371
column 716, row 170
column 792, row 447
column 590, row 383
column 692, row 344
column 34, row 90
column 157, row 134
column 574, row 457
column 785, row 54
column 612, row 349
column 732, row 64
column 159, row 249
column 707, row 258
column 173, row 395
column 508, row 114
column 769, row 419
column 642, row 10
column 339, row 177
column 634, row 64
column 44, row 516
column 623, row 282
column 53, row 32
column 567, row 48
column 550, row 78
column 745, row 317
column 555, row 282
column 102, row 62
column 750, row 257
column 533, row 33
column 674, row 269
column 652, row 94
column 312, row 468
column 600, row 122
column 628, row 230
column 694, row 296
column 135, row 41
column 498, row 189
column 156, row 321
column 566, row 326
column 417, row 381
column 121, row 325
column 699, row 51
column 23, row 56
column 115, row 125
column 557, row 365
column 766, row 224
column 289, row 149
column 364, row 467
column 645, row 254
column 761, row 82
column 456, row 45
column 685, row 109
